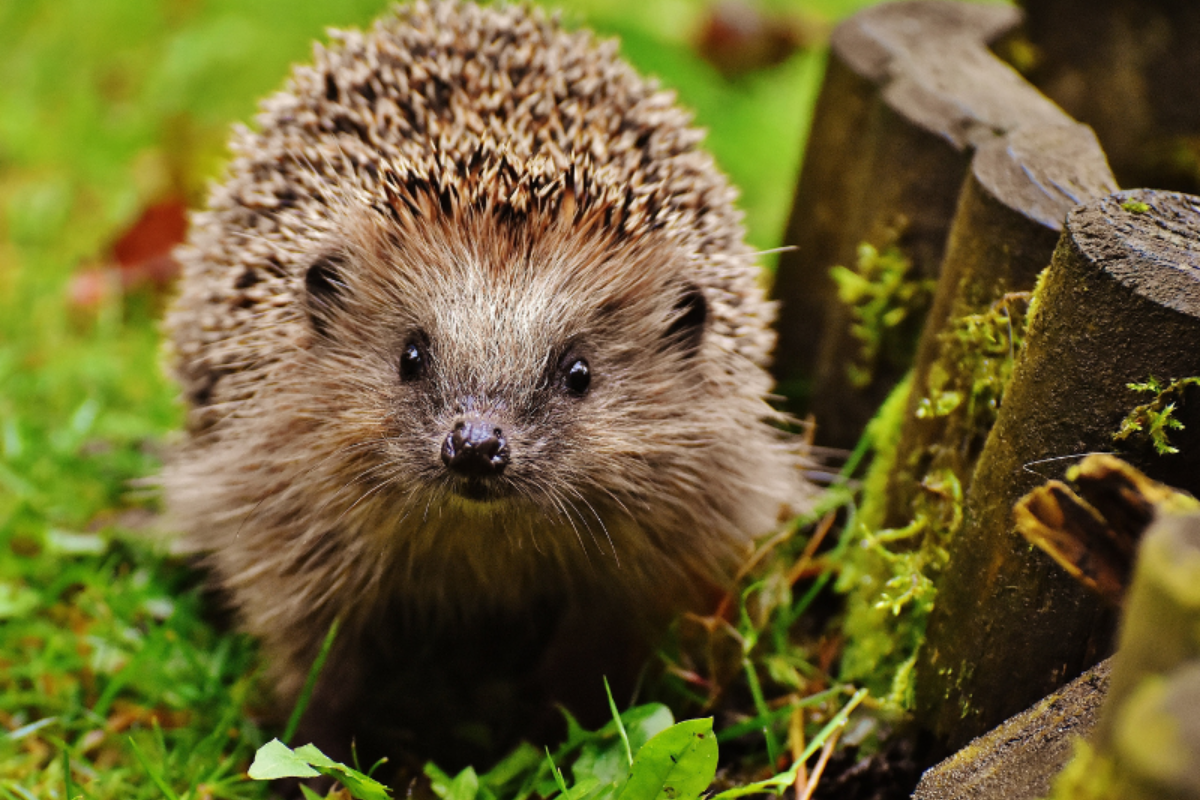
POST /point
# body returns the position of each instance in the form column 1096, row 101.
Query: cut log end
column 1147, row 240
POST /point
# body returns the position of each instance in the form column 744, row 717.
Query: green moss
column 890, row 573
column 881, row 579
column 1087, row 776
column 889, row 577
column 1135, row 206
column 881, row 296
column 883, row 435
column 1184, row 156
column 1150, row 422
column 1035, row 299
column 984, row 346
column 1022, row 54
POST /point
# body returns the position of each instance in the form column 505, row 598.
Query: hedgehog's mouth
column 479, row 490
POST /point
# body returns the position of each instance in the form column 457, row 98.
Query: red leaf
column 156, row 232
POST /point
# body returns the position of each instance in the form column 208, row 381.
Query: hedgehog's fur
column 509, row 192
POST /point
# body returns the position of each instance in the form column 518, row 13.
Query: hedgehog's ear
column 688, row 320
column 325, row 290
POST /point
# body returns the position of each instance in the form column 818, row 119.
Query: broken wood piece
column 1093, row 534
column 1075, row 535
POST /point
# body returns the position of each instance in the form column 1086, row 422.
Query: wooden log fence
column 935, row 167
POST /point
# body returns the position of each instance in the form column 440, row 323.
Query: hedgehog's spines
column 512, row 190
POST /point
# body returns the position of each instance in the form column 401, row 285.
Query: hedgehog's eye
column 577, row 376
column 412, row 362
column 688, row 322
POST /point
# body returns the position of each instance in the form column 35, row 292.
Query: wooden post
column 1147, row 742
column 1156, row 747
column 1131, row 70
column 1010, row 215
column 910, row 89
column 1120, row 303
column 1019, row 759
column 1161, row 628
column 1140, row 710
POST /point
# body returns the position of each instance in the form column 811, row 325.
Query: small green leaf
column 558, row 777
column 644, row 722
column 604, row 757
column 315, row 757
column 590, row 789
column 604, row 764
column 359, row 785
column 464, row 786
column 677, row 764
column 309, row 794
column 576, row 734
column 439, row 780
column 893, row 317
column 939, row 405
column 515, row 766
column 276, row 760
column 1155, row 419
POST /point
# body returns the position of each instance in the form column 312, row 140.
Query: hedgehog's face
column 495, row 377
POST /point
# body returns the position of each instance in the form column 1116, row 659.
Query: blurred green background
column 104, row 102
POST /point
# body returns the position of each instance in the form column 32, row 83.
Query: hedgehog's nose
column 475, row 449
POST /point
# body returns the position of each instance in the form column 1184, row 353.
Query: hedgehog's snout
column 475, row 449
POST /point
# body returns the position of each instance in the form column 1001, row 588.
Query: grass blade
column 68, row 789
column 760, row 705
column 310, row 683
column 784, row 779
column 153, row 773
column 617, row 719
column 558, row 777
column 839, row 719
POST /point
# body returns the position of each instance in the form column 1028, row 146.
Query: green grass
column 108, row 669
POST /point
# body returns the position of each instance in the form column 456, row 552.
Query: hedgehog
column 469, row 329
